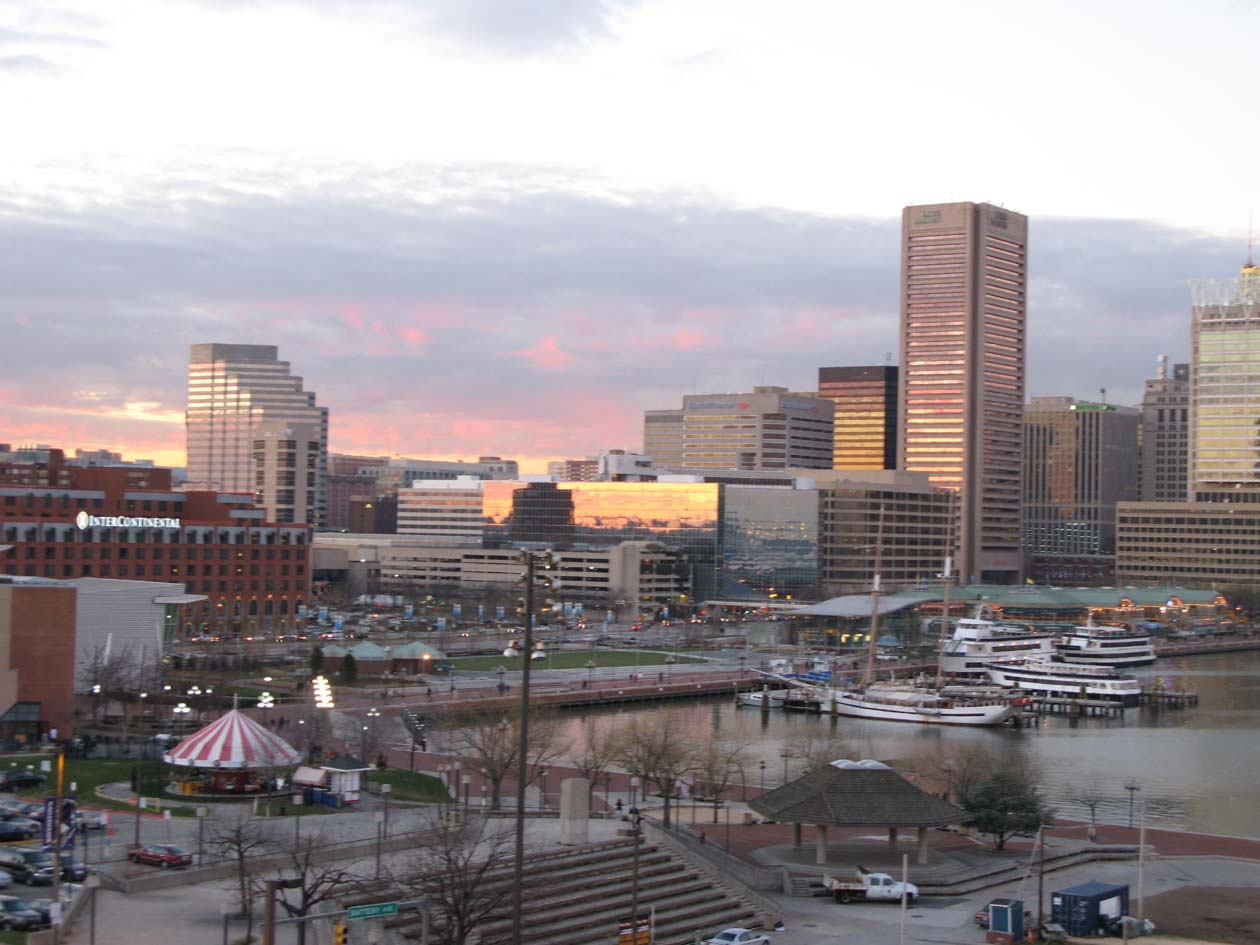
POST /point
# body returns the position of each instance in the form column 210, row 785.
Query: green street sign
column 372, row 911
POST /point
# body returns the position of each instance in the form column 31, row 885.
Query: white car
column 92, row 820
column 739, row 937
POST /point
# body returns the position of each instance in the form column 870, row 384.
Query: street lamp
column 635, row 819
column 502, row 671
column 785, row 755
column 590, row 668
column 543, row 787
column 669, row 665
column 742, row 660
column 1132, row 787
column 762, row 764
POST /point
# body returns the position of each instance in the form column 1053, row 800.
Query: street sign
column 372, row 911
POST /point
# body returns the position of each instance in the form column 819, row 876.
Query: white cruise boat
column 977, row 642
column 1067, row 680
column 1106, row 646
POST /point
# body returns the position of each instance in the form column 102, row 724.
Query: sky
column 506, row 227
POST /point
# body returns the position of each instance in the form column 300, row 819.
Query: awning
column 308, row 777
column 180, row 599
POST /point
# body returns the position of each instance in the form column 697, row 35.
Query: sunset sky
column 495, row 227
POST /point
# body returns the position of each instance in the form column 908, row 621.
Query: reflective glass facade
column 770, row 540
column 685, row 516
column 865, row 415
column 1225, row 393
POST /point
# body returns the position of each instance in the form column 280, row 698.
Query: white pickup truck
column 870, row 887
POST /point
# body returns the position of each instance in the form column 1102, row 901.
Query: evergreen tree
column 349, row 669
column 317, row 660
column 1004, row 805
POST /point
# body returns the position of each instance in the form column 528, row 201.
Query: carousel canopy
column 234, row 741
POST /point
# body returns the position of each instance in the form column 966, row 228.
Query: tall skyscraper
column 231, row 390
column 1225, row 388
column 1165, row 434
column 963, row 278
column 769, row 428
column 865, row 415
column 1080, row 459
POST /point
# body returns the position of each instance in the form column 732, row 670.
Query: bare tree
column 108, row 672
column 237, row 836
column 317, row 881
column 1089, row 795
column 808, row 751
column 455, row 869
column 488, row 741
column 658, row 750
column 600, row 748
column 717, row 764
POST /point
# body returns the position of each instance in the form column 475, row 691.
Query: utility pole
column 527, row 651
column 1041, row 876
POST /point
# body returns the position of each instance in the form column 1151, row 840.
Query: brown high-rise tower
column 963, row 281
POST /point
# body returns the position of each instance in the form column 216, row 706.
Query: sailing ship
column 893, row 702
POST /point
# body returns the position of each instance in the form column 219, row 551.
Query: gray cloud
column 540, row 321
column 28, row 64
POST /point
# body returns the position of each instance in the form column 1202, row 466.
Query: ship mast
column 947, row 580
column 869, row 676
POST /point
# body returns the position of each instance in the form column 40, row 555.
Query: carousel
column 233, row 755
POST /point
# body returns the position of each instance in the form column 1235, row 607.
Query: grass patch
column 409, row 785
column 572, row 659
column 87, row 774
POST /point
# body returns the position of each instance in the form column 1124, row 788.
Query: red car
column 159, row 854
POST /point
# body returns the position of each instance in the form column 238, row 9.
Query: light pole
column 467, row 780
column 785, row 755
column 669, row 665
column 1132, row 787
column 502, row 671
column 590, row 668
column 634, row 790
column 762, row 765
column 542, row 776
column 635, row 819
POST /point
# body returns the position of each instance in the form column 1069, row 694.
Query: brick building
column 127, row 522
column 37, row 639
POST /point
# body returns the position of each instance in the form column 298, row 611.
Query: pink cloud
column 546, row 354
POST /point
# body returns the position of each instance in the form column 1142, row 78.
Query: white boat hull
column 1126, row 692
column 775, row 697
column 855, row 706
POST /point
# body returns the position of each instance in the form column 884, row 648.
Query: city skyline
column 523, row 266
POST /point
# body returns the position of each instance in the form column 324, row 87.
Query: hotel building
column 127, row 522
column 232, row 389
column 1165, row 435
column 963, row 282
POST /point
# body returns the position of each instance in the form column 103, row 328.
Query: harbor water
column 1195, row 769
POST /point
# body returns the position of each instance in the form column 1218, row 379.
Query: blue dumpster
column 1090, row 908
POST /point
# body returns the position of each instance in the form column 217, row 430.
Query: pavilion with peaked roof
column 856, row 794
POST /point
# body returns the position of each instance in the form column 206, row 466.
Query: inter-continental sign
column 83, row 520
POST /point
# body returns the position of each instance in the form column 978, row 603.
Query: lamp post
column 542, row 782
column 669, row 665
column 502, row 670
column 590, row 668
column 635, row 819
column 1132, row 787
column 467, row 780
column 762, row 765
column 785, row 755
column 634, row 790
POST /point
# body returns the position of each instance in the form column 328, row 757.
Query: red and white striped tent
column 233, row 741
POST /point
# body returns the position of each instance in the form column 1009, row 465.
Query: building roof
column 859, row 605
column 416, row 651
column 855, row 794
column 345, row 763
column 367, row 650
column 334, row 650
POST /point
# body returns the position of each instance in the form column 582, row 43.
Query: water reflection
column 1196, row 769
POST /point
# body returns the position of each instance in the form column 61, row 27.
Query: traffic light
column 341, row 934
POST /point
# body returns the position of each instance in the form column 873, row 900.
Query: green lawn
column 87, row 774
column 572, row 659
column 409, row 785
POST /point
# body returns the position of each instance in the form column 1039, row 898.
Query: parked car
column 15, row 914
column 91, row 820
column 739, row 937
column 23, row 809
column 160, row 854
column 11, row 832
column 6, row 880
column 43, row 907
column 74, row 871
column 33, row 867
column 15, row 778
column 29, row 823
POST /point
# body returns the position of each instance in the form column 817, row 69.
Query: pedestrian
column 660, row 677
column 428, row 692
column 703, row 838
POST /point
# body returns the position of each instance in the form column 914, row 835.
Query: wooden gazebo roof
column 855, row 794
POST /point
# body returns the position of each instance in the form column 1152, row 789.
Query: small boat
column 1062, row 680
column 774, row 698
column 1106, row 646
column 890, row 702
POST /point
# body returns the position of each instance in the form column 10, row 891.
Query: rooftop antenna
column 1162, row 361
column 1103, row 392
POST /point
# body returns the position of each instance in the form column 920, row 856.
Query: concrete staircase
column 579, row 897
